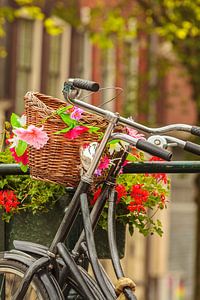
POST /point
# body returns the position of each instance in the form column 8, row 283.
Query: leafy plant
column 22, row 193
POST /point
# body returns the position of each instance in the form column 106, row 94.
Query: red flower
column 161, row 204
column 23, row 158
column 75, row 132
column 96, row 195
column 136, row 207
column 155, row 158
column 161, row 177
column 162, row 197
column 8, row 200
column 121, row 191
column 139, row 194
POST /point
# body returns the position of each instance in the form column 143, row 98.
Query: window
column 131, row 78
column 29, row 35
column 58, row 67
column 108, row 76
column 54, row 64
column 24, row 60
column 29, row 64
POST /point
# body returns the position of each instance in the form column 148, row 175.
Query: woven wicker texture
column 59, row 160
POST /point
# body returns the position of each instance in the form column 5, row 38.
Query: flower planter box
column 41, row 228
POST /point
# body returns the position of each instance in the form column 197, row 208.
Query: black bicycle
column 33, row 271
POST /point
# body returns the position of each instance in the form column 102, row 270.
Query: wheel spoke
column 2, row 289
column 9, row 283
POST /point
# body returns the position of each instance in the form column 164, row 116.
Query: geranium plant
column 139, row 196
column 20, row 193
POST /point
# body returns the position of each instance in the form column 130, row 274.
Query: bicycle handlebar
column 143, row 145
column 84, row 84
column 94, row 86
column 195, row 130
column 154, row 150
column 192, row 147
column 164, row 140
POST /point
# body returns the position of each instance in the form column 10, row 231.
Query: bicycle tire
column 11, row 273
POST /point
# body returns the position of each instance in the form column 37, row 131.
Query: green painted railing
column 146, row 167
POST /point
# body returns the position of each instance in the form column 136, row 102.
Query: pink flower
column 134, row 133
column 32, row 135
column 104, row 164
column 23, row 158
column 76, row 114
column 75, row 132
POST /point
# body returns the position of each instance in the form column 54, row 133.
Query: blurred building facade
column 163, row 268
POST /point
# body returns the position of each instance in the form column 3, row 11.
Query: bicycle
column 54, row 272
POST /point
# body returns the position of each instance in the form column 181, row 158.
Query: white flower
column 114, row 147
column 87, row 153
column 22, row 120
column 14, row 140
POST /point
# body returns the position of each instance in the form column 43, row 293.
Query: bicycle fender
column 29, row 247
column 19, row 256
column 47, row 279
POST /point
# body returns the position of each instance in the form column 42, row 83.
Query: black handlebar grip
column 85, row 84
column 192, row 147
column 195, row 130
column 154, row 150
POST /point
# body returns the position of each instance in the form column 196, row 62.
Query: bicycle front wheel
column 11, row 274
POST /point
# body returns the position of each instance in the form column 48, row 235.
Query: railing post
column 2, row 235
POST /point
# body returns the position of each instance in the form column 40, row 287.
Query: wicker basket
column 59, row 160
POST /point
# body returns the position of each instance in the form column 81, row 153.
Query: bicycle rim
column 11, row 274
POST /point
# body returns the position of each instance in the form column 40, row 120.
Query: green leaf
column 14, row 120
column 24, row 168
column 113, row 142
column 63, row 109
column 131, row 157
column 131, row 229
column 92, row 129
column 21, row 148
column 3, row 182
column 67, row 120
column 64, row 130
column 65, row 116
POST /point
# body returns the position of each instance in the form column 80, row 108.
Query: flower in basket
column 71, row 116
column 21, row 136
